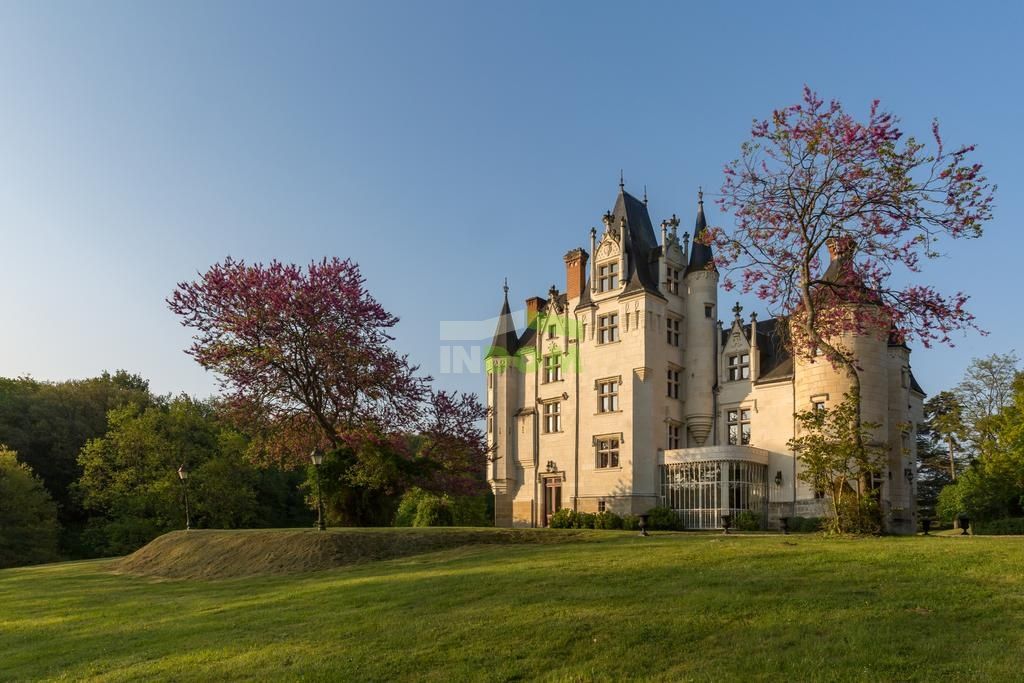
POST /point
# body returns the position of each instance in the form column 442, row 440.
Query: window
column 819, row 406
column 552, row 329
column 708, row 310
column 607, row 453
column 607, row 395
column 739, row 366
column 672, row 280
column 601, row 507
column 490, row 424
column 739, row 426
column 673, row 436
column 553, row 367
column 552, row 417
column 672, row 330
column 608, row 277
column 608, row 328
column 673, row 383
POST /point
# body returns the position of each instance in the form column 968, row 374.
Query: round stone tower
column 701, row 355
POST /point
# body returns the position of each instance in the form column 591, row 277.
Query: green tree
column 939, row 449
column 993, row 486
column 987, row 388
column 28, row 516
column 836, row 453
column 47, row 423
column 130, row 484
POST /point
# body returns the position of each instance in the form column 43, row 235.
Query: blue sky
column 442, row 145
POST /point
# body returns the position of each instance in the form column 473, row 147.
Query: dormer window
column 739, row 367
column 608, row 277
column 672, row 279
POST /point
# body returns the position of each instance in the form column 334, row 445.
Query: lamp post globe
column 183, row 476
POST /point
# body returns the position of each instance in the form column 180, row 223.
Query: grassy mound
column 671, row 607
column 217, row 554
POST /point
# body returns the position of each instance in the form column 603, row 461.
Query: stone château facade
column 625, row 392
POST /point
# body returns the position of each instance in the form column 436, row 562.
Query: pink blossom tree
column 813, row 176
column 304, row 359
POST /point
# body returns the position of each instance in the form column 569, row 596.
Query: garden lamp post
column 318, row 459
column 183, row 475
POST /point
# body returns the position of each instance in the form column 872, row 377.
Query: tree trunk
column 952, row 462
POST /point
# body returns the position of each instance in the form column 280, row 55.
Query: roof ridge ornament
column 700, row 195
column 622, row 181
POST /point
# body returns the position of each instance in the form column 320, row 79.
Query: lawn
column 599, row 606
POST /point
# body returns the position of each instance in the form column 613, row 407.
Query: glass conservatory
column 702, row 484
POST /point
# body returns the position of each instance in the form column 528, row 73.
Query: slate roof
column 700, row 254
column 642, row 267
column 776, row 362
column 506, row 340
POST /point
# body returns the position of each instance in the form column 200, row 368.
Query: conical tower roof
column 506, row 339
column 700, row 254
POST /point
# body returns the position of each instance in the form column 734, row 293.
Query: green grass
column 612, row 606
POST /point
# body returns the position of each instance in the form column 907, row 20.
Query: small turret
column 700, row 355
column 503, row 380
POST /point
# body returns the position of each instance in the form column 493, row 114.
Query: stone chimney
column 575, row 273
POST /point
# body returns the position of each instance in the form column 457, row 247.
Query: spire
column 701, row 254
column 506, row 340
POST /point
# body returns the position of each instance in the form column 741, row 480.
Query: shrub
column 805, row 524
column 607, row 520
column 1008, row 526
column 663, row 519
column 630, row 523
column 563, row 519
column 462, row 510
column 748, row 520
column 584, row 520
column 433, row 511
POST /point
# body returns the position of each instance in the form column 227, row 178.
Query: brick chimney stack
column 575, row 273
column 532, row 307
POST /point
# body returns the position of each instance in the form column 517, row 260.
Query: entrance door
column 552, row 498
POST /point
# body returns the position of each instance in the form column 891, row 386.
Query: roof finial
column 645, row 195
column 506, row 288
column 700, row 195
column 737, row 309
column 622, row 180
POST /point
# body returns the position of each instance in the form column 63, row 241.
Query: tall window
column 552, row 331
column 673, row 436
column 672, row 330
column 672, row 280
column 709, row 310
column 673, row 383
column 608, row 277
column 607, row 396
column 739, row 366
column 607, row 453
column 552, row 417
column 553, row 367
column 739, row 426
column 608, row 328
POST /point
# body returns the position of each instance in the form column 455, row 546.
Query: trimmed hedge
column 1009, row 526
